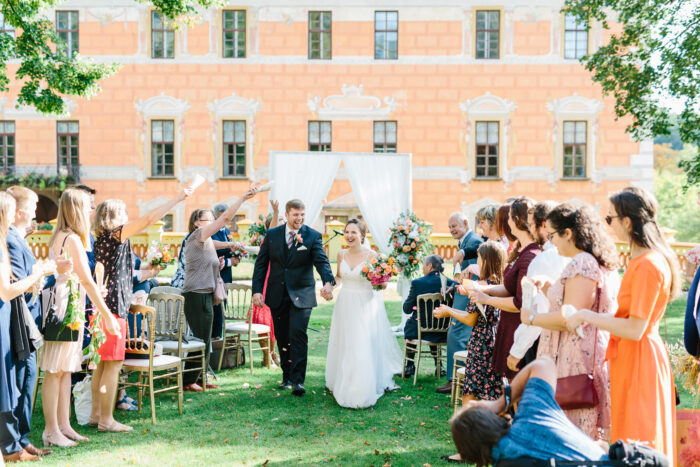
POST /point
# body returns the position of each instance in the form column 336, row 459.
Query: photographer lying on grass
column 539, row 430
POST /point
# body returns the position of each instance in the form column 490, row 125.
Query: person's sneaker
column 446, row 389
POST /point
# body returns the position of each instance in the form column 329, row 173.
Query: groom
column 292, row 250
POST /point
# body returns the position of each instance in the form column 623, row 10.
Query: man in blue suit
column 459, row 333
column 431, row 282
column 22, row 259
column 691, row 331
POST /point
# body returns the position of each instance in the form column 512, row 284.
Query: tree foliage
column 678, row 210
column 650, row 66
column 47, row 73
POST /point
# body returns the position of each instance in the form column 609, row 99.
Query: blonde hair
column 106, row 216
column 73, row 215
column 22, row 195
column 7, row 203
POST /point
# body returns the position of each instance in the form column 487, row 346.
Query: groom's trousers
column 290, row 330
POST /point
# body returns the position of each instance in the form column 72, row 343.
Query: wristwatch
column 532, row 317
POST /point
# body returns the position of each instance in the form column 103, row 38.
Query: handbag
column 54, row 328
column 219, row 291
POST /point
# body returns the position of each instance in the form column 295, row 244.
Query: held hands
column 577, row 319
column 258, row 300
column 442, row 312
column 235, row 261
column 327, row 291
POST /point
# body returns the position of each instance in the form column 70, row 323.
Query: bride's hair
column 360, row 226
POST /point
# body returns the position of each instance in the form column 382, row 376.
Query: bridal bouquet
column 410, row 239
column 380, row 270
column 74, row 317
column 239, row 251
column 159, row 255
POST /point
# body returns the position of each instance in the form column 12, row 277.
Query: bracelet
column 532, row 318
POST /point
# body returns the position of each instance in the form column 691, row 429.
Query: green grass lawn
column 248, row 422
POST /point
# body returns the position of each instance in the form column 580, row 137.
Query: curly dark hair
column 588, row 233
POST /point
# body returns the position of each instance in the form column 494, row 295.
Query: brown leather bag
column 576, row 392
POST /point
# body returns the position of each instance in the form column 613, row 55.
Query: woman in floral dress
column 481, row 380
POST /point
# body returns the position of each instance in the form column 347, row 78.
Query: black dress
column 115, row 255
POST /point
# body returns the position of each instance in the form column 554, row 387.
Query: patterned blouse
column 115, row 254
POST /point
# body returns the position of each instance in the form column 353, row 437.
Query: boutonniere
column 229, row 236
column 299, row 239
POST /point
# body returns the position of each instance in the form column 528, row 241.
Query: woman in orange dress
column 641, row 384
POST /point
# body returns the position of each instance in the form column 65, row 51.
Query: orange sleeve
column 647, row 284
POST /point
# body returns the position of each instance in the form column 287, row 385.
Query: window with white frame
column 162, row 148
column 575, row 38
column 488, row 30
column 67, row 31
column 575, row 144
column 320, row 35
column 234, row 150
column 320, row 136
column 386, row 35
column 234, row 33
column 162, row 37
column 486, row 149
column 384, row 136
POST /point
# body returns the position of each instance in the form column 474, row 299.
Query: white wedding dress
column 363, row 355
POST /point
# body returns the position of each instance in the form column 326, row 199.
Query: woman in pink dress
column 588, row 281
column 262, row 315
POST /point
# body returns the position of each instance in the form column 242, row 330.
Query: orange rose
column 365, row 269
column 413, row 244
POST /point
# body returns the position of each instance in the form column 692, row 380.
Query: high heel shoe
column 56, row 438
column 71, row 434
column 275, row 358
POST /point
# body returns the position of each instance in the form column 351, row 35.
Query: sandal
column 92, row 423
column 450, row 460
column 125, row 405
column 114, row 427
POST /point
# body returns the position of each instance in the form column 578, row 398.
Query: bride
column 363, row 355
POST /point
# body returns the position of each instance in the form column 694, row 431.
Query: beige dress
column 61, row 356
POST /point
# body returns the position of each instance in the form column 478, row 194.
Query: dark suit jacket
column 22, row 259
column 291, row 269
column 691, row 330
column 222, row 236
column 420, row 286
column 469, row 246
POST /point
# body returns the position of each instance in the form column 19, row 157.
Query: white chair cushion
column 162, row 360
column 242, row 327
column 171, row 346
column 461, row 354
column 461, row 370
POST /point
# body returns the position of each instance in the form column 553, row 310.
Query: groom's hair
column 294, row 204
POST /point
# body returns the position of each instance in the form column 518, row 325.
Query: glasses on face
column 206, row 219
column 608, row 219
column 550, row 236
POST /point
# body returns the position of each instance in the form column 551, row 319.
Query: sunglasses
column 608, row 219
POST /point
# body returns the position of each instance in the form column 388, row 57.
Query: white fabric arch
column 381, row 183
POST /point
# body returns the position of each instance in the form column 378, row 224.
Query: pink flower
column 299, row 239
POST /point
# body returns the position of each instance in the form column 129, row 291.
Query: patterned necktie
column 290, row 240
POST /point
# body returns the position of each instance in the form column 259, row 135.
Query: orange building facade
column 489, row 99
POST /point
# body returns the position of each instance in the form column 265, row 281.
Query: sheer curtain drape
column 381, row 184
column 307, row 176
